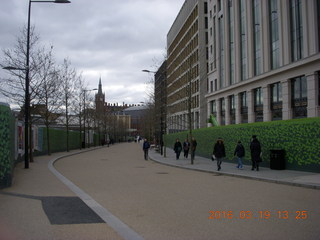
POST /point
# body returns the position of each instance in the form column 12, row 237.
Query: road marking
column 121, row 228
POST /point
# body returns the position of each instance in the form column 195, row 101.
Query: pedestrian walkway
column 289, row 177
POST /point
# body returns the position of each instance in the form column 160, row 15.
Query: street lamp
column 160, row 75
column 148, row 71
column 27, row 80
column 84, row 114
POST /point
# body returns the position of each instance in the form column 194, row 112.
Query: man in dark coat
column 146, row 146
column 177, row 148
column 255, row 148
column 219, row 152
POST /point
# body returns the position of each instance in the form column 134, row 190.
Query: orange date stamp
column 262, row 214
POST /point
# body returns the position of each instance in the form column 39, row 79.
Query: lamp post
column 161, row 76
column 27, row 81
column 84, row 114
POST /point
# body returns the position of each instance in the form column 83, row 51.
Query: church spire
column 100, row 87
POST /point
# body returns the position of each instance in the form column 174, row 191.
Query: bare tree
column 77, row 105
column 68, row 76
column 15, row 86
column 47, row 93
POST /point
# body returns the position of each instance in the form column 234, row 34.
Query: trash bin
column 277, row 160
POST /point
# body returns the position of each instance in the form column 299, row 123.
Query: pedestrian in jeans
column 177, row 148
column 219, row 152
column 145, row 148
column 239, row 152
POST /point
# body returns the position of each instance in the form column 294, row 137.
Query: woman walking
column 219, row 152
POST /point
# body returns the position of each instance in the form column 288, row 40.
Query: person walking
column 239, row 152
column 177, row 148
column 255, row 148
column 146, row 146
column 186, row 146
column 219, row 152
column 193, row 147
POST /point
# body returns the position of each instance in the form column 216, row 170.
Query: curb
column 241, row 176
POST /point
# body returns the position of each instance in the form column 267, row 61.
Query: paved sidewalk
column 289, row 177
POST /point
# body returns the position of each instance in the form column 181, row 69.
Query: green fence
column 300, row 138
column 7, row 122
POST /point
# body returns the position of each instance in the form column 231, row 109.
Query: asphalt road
column 163, row 202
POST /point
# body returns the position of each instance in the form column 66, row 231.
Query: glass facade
column 221, row 44
column 276, row 101
column 223, row 111
column 299, row 97
column 243, row 43
column 231, row 42
column 244, row 107
column 257, row 36
column 258, row 104
column 232, row 109
column 296, row 30
column 274, row 33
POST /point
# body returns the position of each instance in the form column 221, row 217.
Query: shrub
column 300, row 138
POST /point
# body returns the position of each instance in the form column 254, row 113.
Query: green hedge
column 6, row 145
column 58, row 140
column 300, row 138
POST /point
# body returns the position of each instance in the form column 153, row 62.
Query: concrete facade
column 245, row 61
column 266, row 66
column 187, row 67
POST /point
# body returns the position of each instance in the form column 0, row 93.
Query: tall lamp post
column 27, row 81
column 84, row 114
column 162, row 111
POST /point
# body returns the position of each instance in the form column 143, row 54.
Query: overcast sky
column 109, row 38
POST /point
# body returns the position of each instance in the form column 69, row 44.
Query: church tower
column 100, row 99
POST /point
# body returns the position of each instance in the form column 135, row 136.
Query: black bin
column 277, row 160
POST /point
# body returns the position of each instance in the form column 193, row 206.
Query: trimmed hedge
column 6, row 145
column 58, row 140
column 300, row 138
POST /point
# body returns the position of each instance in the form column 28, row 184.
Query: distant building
column 187, row 67
column 137, row 114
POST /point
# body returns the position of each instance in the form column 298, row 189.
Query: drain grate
column 162, row 173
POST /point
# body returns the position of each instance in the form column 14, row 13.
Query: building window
column 214, row 43
column 274, row 33
column 296, row 30
column 244, row 107
column 221, row 60
column 258, row 104
column 256, row 37
column 318, row 11
column 219, row 5
column 276, row 101
column 318, row 85
column 213, row 107
column 223, row 111
column 231, row 42
column 232, row 106
column 299, row 97
column 243, row 43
